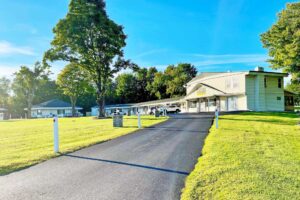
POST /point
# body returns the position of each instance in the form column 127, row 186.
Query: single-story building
column 53, row 107
column 289, row 100
column 126, row 109
column 2, row 113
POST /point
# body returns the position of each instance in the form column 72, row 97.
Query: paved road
column 150, row 164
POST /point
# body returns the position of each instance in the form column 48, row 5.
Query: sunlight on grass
column 250, row 156
column 27, row 142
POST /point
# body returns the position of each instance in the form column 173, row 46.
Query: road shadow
column 128, row 164
column 168, row 129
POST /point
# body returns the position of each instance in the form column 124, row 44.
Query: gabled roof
column 54, row 103
column 205, row 74
column 196, row 87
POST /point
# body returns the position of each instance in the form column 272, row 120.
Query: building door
column 232, row 103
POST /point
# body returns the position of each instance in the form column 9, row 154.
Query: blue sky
column 216, row 35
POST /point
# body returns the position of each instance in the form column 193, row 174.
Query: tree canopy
column 27, row 81
column 87, row 36
column 73, row 81
column 283, row 41
column 4, row 92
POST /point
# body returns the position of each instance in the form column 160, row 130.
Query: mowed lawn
column 250, row 156
column 27, row 142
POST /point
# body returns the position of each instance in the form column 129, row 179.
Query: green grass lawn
column 27, row 142
column 250, row 156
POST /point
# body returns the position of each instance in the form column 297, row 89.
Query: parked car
column 173, row 109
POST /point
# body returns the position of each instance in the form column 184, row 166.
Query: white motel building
column 234, row 91
column 255, row 90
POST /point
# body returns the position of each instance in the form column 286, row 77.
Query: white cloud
column 8, row 70
column 151, row 52
column 205, row 60
column 7, row 48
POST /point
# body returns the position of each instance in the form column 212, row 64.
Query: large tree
column 73, row 82
column 283, row 42
column 4, row 91
column 88, row 37
column 26, row 82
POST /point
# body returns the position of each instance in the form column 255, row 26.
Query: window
column 60, row 112
column 193, row 104
column 235, row 83
column 232, row 83
column 279, row 83
column 279, row 98
column 265, row 82
column 289, row 100
column 227, row 84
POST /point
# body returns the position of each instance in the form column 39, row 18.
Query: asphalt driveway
column 149, row 164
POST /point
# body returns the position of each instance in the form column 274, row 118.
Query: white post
column 217, row 118
column 139, row 120
column 55, row 134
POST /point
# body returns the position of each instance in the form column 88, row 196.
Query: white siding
column 250, row 92
column 260, row 98
column 274, row 95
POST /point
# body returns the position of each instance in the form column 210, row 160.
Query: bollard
column 55, row 134
column 217, row 118
column 139, row 120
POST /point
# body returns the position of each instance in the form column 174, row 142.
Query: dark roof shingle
column 54, row 103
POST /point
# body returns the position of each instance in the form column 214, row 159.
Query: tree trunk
column 101, row 106
column 73, row 103
column 29, row 106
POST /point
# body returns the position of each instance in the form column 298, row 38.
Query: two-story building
column 231, row 91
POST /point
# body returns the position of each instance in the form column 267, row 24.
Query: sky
column 213, row 35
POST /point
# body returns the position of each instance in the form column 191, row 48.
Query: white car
column 173, row 109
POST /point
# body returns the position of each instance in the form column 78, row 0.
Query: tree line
column 33, row 85
column 92, row 44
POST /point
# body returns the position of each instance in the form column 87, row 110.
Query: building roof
column 264, row 72
column 54, row 103
column 206, row 74
column 159, row 101
column 286, row 92
column 117, row 106
column 3, row 109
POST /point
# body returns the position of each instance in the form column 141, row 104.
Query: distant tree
column 142, row 94
column 283, row 39
column 171, row 82
column 150, row 79
column 112, row 96
column 4, row 91
column 26, row 82
column 178, row 77
column 74, row 83
column 87, row 36
column 46, row 91
column 126, row 88
column 159, row 86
